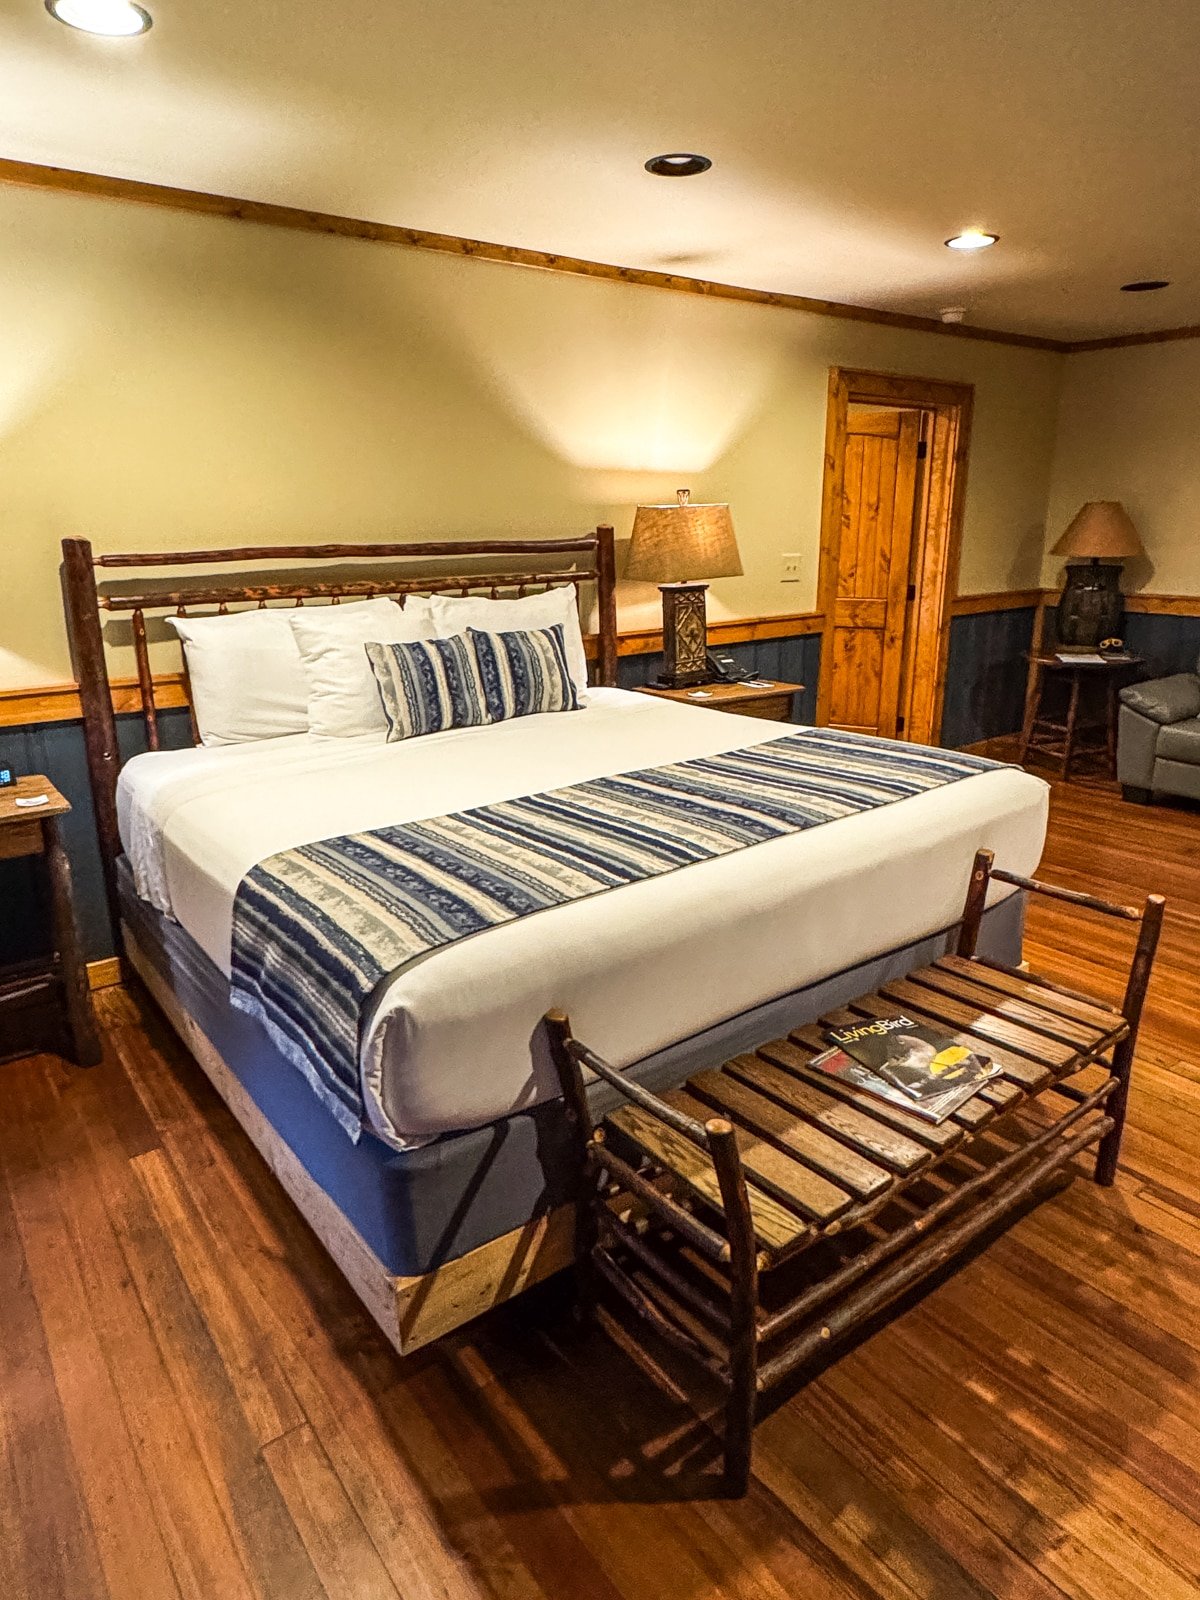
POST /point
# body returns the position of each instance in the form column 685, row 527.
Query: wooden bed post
column 579, row 1121
column 606, row 596
column 86, row 638
column 1122, row 1066
column 742, row 1404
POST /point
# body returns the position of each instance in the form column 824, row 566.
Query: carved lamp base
column 685, row 635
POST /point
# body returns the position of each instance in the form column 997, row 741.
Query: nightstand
column 771, row 701
column 35, row 832
column 1073, row 739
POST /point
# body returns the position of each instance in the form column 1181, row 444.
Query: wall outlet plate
column 791, row 568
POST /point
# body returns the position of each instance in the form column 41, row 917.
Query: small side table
column 1074, row 739
column 769, row 700
column 36, row 833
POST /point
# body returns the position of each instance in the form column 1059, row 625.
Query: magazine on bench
column 914, row 1065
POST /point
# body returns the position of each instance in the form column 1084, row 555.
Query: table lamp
column 678, row 546
column 1092, row 603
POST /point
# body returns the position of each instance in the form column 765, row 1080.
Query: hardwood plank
column 775, row 1227
column 706, row 1545
column 346, row 1561
column 981, row 1516
column 1000, row 1475
column 132, row 1554
column 200, row 1542
column 263, row 1391
column 47, row 1541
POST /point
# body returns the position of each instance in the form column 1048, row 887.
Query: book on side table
column 908, row 1063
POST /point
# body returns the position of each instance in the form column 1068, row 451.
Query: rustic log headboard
column 501, row 566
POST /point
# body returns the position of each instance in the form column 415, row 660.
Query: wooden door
column 871, row 592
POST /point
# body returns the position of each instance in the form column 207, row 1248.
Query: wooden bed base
column 411, row 1311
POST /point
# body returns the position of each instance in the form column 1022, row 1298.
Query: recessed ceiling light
column 683, row 164
column 1145, row 285
column 114, row 19
column 972, row 239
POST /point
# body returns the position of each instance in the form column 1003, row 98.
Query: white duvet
column 451, row 1043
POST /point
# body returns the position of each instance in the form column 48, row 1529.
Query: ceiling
column 849, row 138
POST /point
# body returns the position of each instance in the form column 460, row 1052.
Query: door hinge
column 922, row 449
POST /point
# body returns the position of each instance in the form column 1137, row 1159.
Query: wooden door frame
column 939, row 538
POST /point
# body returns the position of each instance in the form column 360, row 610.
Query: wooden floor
column 193, row 1404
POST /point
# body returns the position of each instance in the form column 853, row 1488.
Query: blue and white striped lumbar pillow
column 472, row 679
column 429, row 685
column 525, row 672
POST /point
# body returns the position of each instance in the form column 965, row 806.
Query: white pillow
column 246, row 676
column 455, row 613
column 343, row 696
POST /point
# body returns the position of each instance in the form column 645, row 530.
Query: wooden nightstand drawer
column 771, row 701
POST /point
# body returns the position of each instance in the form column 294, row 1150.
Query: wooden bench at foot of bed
column 760, row 1215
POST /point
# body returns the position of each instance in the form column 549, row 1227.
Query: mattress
column 453, row 1041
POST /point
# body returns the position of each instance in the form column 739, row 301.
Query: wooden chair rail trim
column 975, row 605
column 59, row 702
column 65, row 180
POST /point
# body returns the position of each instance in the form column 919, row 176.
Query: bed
column 453, row 1197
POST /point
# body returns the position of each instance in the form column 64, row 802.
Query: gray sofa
column 1158, row 744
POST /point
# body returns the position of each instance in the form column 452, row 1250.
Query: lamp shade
column 681, row 543
column 1101, row 529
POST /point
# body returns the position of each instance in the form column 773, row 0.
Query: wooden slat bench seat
column 764, row 1211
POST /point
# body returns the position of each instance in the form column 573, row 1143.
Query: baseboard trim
column 104, row 974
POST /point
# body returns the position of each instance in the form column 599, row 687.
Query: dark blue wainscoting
column 986, row 674
column 55, row 750
column 796, row 660
column 1169, row 644
column 984, row 692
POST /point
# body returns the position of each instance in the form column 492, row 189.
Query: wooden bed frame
column 412, row 1311
column 395, row 570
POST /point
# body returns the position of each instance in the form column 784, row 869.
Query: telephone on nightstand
column 726, row 670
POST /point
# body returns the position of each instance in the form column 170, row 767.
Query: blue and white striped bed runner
column 317, row 930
